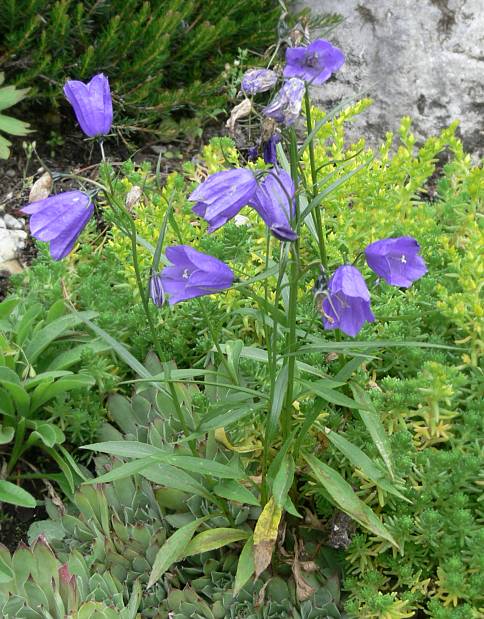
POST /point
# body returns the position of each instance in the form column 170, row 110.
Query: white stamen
column 185, row 274
column 403, row 260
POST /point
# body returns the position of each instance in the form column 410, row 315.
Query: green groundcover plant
column 162, row 55
column 280, row 423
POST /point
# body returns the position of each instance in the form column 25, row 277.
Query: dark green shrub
column 160, row 55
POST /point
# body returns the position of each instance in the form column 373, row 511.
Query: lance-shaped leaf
column 346, row 499
column 265, row 535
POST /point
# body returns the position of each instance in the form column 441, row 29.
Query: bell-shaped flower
column 274, row 201
column 286, row 105
column 346, row 305
column 59, row 220
column 269, row 149
column 92, row 104
column 396, row 260
column 258, row 80
column 156, row 290
column 193, row 274
column 221, row 196
column 314, row 63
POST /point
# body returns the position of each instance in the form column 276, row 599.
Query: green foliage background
column 428, row 400
column 160, row 55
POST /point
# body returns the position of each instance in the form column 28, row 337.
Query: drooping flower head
column 252, row 153
column 286, row 105
column 60, row 219
column 156, row 290
column 92, row 104
column 258, row 80
column 221, row 196
column 347, row 303
column 270, row 149
column 274, row 201
column 397, row 260
column 314, row 63
column 193, row 274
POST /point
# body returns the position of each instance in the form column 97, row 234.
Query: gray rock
column 11, row 241
column 421, row 58
column 12, row 223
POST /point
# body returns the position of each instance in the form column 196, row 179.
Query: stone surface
column 421, row 58
column 11, row 267
column 11, row 241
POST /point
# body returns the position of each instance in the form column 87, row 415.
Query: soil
column 15, row 523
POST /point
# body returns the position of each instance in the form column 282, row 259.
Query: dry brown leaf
column 239, row 111
column 41, row 188
column 133, row 196
column 303, row 590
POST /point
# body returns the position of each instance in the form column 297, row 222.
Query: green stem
column 286, row 416
column 17, row 448
column 316, row 213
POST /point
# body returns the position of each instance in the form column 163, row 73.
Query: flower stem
column 286, row 415
column 316, row 212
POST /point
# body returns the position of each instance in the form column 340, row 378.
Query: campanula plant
column 288, row 199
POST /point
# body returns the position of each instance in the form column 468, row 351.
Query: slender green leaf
column 41, row 340
column 173, row 550
column 316, row 201
column 7, row 306
column 283, row 481
column 233, row 491
column 213, row 539
column 346, row 499
column 320, row 389
column 124, row 449
column 374, row 426
column 199, row 465
column 62, row 385
column 226, row 419
column 171, row 477
column 245, row 566
column 280, row 389
column 15, row 495
column 361, row 461
column 6, row 434
column 74, row 355
column 127, row 469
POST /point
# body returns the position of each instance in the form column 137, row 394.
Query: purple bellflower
column 156, row 290
column 60, row 219
column 258, row 80
column 314, row 63
column 221, row 196
column 252, row 153
column 269, row 149
column 347, row 302
column 92, row 104
column 193, row 274
column 396, row 260
column 274, row 201
column 286, row 105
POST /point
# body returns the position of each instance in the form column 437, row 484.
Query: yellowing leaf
column 265, row 535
